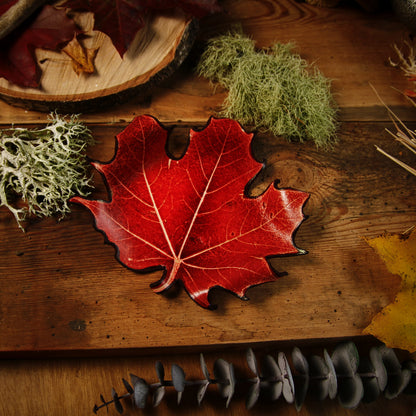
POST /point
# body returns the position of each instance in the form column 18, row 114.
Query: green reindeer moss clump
column 274, row 90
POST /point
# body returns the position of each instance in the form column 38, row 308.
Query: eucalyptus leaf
column 379, row 367
column 204, row 367
column 134, row 379
column 224, row 374
column 141, row 391
column 252, row 362
column 253, row 395
column 332, row 376
column 397, row 384
column 288, row 384
column 201, row 391
column 398, row 378
column 319, row 379
column 178, row 378
column 345, row 359
column 158, row 395
column 411, row 366
column 300, row 363
column 128, row 387
column 350, row 391
column 160, row 371
column 116, row 401
column 271, row 374
column 369, row 378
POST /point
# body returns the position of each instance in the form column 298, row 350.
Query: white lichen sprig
column 43, row 168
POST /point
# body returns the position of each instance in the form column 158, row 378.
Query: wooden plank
column 72, row 386
column 350, row 46
column 62, row 290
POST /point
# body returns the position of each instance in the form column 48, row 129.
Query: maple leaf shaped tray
column 157, row 51
column 191, row 217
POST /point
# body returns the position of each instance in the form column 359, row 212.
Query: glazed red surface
column 191, row 216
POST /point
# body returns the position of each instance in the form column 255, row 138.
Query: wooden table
column 74, row 321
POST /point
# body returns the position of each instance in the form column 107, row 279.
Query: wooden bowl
column 156, row 52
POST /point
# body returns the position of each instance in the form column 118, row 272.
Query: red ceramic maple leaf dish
column 191, row 217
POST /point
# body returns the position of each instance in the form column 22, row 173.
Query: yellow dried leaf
column 82, row 58
column 395, row 325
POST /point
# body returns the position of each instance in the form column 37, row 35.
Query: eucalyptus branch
column 343, row 374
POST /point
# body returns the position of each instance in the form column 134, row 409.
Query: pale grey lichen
column 43, row 168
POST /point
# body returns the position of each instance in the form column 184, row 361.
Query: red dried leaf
column 122, row 19
column 410, row 93
column 50, row 29
column 5, row 5
column 191, row 216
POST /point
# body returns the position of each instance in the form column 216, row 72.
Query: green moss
column 275, row 90
column 44, row 167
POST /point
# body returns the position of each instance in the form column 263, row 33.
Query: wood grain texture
column 17, row 14
column 63, row 293
column 156, row 51
column 72, row 386
column 350, row 46
column 62, row 289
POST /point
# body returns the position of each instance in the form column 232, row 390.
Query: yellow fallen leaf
column 82, row 58
column 395, row 325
